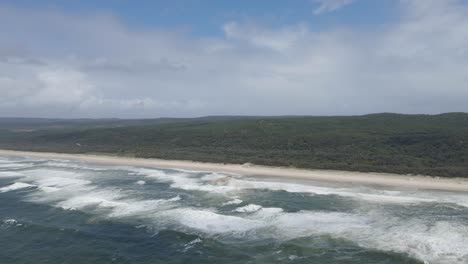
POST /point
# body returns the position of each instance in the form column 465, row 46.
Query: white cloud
column 279, row 40
column 55, row 64
column 330, row 5
column 61, row 87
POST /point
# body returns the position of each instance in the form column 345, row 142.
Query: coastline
column 329, row 176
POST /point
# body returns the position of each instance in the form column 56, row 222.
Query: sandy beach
column 343, row 177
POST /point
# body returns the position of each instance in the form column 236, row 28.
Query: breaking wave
column 212, row 205
column 16, row 186
column 224, row 184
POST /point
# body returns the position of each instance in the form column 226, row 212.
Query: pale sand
column 344, row 177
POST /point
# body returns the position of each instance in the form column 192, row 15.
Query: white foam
column 16, row 186
column 10, row 221
column 266, row 223
column 383, row 197
column 210, row 222
column 175, row 199
column 434, row 242
column 47, row 173
column 49, row 189
column 306, row 223
column 214, row 177
column 102, row 199
column 191, row 244
column 57, row 186
column 220, row 183
column 15, row 165
column 60, row 179
column 186, row 181
column 69, row 164
column 61, row 182
column 458, row 199
column 278, row 224
column 140, row 208
column 60, row 164
column 72, row 191
column 112, row 203
column 368, row 194
column 268, row 212
column 439, row 242
column 10, row 174
column 140, row 182
column 152, row 173
column 232, row 202
column 248, row 208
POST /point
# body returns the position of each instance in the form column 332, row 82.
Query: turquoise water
column 61, row 211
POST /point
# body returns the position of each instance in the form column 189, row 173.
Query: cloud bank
column 56, row 64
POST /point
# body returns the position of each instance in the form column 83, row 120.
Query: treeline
column 407, row 144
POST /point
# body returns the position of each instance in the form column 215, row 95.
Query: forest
column 407, row 144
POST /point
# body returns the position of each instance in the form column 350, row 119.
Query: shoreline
column 328, row 176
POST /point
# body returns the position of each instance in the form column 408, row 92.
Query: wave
column 227, row 185
column 70, row 165
column 191, row 244
column 10, row 174
column 187, row 181
column 140, row 182
column 248, row 208
column 232, row 202
column 208, row 222
column 7, row 223
column 431, row 240
column 16, row 186
column 15, row 165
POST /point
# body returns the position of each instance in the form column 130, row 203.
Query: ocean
column 63, row 211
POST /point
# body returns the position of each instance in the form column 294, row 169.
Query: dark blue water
column 59, row 211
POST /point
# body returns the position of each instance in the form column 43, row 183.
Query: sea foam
column 10, row 174
column 224, row 184
column 16, row 186
column 248, row 208
column 432, row 240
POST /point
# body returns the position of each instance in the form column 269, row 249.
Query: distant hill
column 417, row 144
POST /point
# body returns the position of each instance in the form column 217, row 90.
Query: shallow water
column 60, row 211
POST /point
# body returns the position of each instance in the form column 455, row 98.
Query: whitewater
column 65, row 211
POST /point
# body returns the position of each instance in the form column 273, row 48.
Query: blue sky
column 136, row 59
column 205, row 16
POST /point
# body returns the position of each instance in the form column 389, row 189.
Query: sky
column 174, row 58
